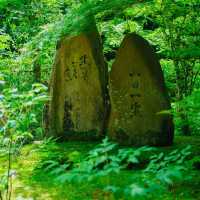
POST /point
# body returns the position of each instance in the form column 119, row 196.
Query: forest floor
column 32, row 183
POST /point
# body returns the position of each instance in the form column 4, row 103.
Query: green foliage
column 19, row 112
column 191, row 106
column 156, row 171
column 5, row 3
column 18, row 119
column 161, row 161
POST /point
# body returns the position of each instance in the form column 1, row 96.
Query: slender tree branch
column 9, row 178
column 1, row 197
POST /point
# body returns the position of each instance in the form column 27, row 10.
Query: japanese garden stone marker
column 138, row 96
column 78, row 87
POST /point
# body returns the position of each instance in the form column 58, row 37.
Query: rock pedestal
column 138, row 96
column 78, row 87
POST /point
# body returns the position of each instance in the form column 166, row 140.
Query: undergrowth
column 157, row 172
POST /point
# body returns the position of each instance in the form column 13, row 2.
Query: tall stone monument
column 138, row 96
column 78, row 87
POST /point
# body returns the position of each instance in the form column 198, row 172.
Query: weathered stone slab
column 78, row 87
column 138, row 96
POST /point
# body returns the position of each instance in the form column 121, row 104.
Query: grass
column 31, row 182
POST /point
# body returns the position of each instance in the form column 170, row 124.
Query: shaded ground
column 38, row 185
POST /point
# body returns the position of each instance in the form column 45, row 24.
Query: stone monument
column 78, row 87
column 139, row 101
